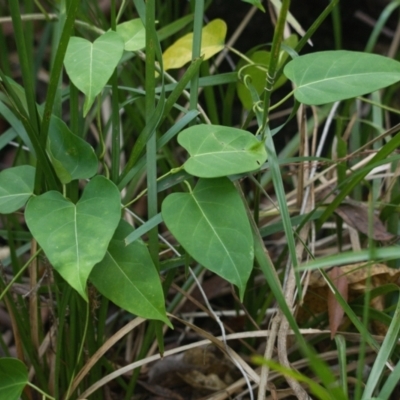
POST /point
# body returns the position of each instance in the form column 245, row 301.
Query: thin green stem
column 121, row 10
column 280, row 102
column 44, row 394
column 273, row 63
column 144, row 191
column 269, row 83
column 19, row 273
column 380, row 105
column 115, row 133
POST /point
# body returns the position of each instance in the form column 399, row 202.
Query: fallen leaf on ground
column 335, row 311
column 315, row 300
column 357, row 216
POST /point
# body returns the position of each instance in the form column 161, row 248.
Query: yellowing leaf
column 212, row 42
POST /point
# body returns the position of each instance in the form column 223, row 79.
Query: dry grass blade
column 103, row 349
column 180, row 349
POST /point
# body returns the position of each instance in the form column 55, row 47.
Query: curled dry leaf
column 335, row 311
column 201, row 368
column 198, row 380
column 357, row 216
column 315, row 301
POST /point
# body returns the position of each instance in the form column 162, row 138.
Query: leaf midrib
column 132, row 284
column 218, row 237
column 314, row 82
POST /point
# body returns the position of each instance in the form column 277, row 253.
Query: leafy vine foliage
column 86, row 241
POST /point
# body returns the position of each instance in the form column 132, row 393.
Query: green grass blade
column 143, row 138
column 315, row 388
column 174, row 27
column 265, row 263
column 19, row 110
column 143, row 229
column 26, row 64
column 283, row 208
column 390, row 384
column 387, row 347
column 170, row 134
column 115, row 131
column 196, row 48
column 342, row 358
column 310, row 32
column 190, row 73
column 379, row 25
column 350, row 257
column 337, row 27
column 385, row 151
column 153, row 52
column 350, row 313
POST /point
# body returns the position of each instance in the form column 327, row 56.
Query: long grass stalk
column 115, row 130
column 151, row 146
column 196, row 50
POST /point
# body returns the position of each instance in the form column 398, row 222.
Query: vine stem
column 273, row 63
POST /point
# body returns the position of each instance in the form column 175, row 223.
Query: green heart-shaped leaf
column 133, row 33
column 13, row 378
column 75, row 237
column 329, row 76
column 16, row 186
column 212, row 225
column 217, row 151
column 128, row 277
column 90, row 65
column 71, row 156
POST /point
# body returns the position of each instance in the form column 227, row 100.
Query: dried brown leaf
column 335, row 311
column 315, row 301
column 357, row 216
column 198, row 380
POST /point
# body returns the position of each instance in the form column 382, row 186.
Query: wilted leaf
column 212, row 42
column 358, row 216
column 315, row 301
column 199, row 367
column 335, row 311
column 201, row 381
